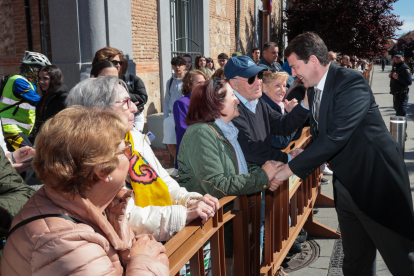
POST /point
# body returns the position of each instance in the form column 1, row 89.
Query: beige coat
column 55, row 246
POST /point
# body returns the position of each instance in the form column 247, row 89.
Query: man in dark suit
column 371, row 184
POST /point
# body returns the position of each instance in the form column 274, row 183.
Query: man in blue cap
column 400, row 80
column 257, row 120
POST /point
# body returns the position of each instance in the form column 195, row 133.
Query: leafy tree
column 352, row 27
column 404, row 44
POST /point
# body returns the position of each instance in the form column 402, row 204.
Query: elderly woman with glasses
column 76, row 223
column 159, row 206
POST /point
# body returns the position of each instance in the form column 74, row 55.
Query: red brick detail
column 164, row 156
column 10, row 63
column 144, row 23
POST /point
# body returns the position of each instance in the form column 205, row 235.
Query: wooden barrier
column 279, row 235
column 303, row 196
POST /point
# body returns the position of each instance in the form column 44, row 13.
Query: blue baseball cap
column 400, row 54
column 242, row 66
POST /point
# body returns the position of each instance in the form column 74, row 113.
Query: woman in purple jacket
column 180, row 109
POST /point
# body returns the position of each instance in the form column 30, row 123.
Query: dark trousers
column 362, row 236
column 400, row 104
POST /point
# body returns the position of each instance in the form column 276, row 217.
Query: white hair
column 101, row 91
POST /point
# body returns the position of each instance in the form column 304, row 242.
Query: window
column 186, row 27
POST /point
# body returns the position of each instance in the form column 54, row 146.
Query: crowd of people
column 107, row 203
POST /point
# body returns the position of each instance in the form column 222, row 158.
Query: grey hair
column 101, row 91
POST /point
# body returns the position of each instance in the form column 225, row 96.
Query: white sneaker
column 326, row 170
column 175, row 172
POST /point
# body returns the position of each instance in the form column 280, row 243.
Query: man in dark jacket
column 400, row 76
column 269, row 60
column 14, row 193
column 371, row 185
column 257, row 119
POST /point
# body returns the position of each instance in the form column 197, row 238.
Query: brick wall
column 146, row 50
column 222, row 28
column 10, row 63
column 276, row 19
column 247, row 27
column 223, row 20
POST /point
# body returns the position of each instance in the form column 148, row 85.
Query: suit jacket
column 363, row 155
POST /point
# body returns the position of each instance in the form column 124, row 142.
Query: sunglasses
column 127, row 101
column 127, row 150
column 115, row 62
column 252, row 79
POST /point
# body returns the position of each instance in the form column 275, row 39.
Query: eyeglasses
column 115, row 62
column 209, row 62
column 127, row 150
column 252, row 79
column 128, row 101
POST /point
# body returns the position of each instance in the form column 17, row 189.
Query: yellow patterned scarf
column 148, row 187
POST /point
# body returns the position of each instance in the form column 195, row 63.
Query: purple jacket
column 180, row 112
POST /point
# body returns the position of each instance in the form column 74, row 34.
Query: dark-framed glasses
column 127, row 150
column 128, row 101
column 115, row 62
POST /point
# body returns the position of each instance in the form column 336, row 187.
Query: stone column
column 206, row 28
column 164, row 38
column 79, row 28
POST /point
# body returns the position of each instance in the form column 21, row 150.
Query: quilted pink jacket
column 55, row 246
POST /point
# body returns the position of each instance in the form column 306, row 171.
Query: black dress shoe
column 324, row 181
column 303, row 235
column 315, row 211
column 296, row 248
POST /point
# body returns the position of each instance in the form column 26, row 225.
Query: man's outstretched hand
column 282, row 175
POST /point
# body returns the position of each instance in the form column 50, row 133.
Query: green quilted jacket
column 14, row 193
column 208, row 165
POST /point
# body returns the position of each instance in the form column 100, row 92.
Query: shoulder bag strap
column 26, row 221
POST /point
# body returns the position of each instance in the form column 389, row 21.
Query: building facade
column 149, row 33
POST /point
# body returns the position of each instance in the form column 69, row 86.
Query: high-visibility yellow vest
column 24, row 118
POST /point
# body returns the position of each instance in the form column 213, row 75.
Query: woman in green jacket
column 210, row 160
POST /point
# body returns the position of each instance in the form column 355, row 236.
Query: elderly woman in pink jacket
column 76, row 224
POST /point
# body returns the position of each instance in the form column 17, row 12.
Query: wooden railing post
column 268, row 231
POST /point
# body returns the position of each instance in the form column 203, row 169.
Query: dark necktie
column 317, row 104
column 315, row 112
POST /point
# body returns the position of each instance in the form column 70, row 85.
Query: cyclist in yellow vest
column 19, row 99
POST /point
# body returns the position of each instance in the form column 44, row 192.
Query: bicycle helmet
column 33, row 58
